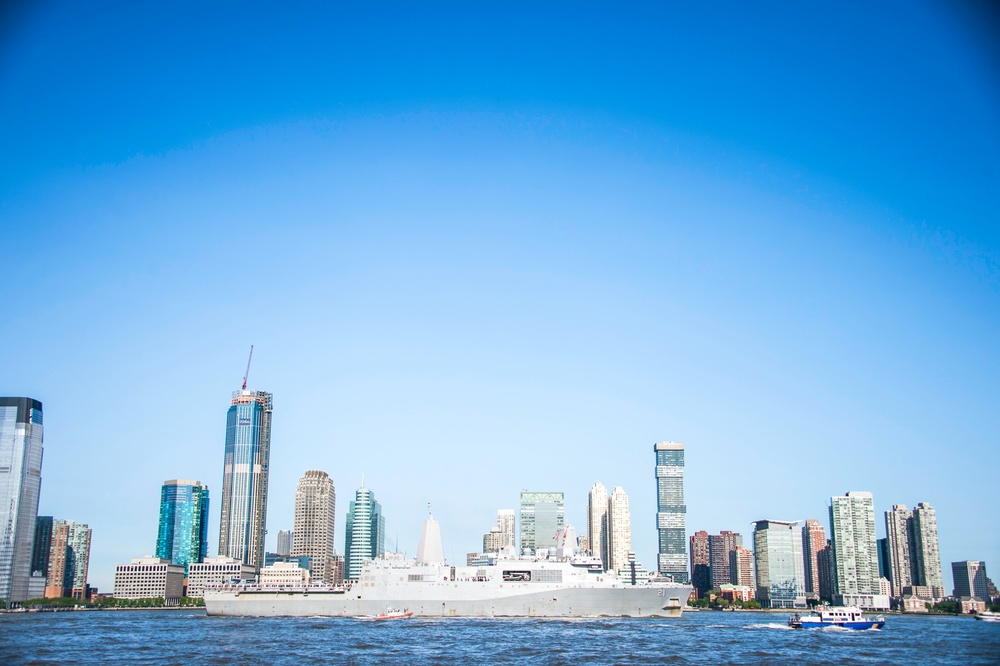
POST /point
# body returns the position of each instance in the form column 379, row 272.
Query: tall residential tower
column 313, row 534
column 20, row 485
column 244, row 477
column 671, row 511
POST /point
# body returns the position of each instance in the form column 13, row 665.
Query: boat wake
column 769, row 625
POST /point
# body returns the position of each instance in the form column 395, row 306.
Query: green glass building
column 365, row 539
column 183, row 534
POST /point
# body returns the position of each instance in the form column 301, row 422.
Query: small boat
column 845, row 617
column 988, row 616
column 392, row 614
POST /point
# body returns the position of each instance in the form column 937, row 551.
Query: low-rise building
column 150, row 577
column 972, row 604
column 737, row 592
column 284, row 574
column 219, row 569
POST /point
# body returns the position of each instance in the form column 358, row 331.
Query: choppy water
column 176, row 637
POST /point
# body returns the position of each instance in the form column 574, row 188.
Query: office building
column 20, row 485
column 719, row 547
column 183, row 534
column 244, row 477
column 741, row 568
column 970, row 579
column 824, row 560
column 779, row 564
column 542, row 518
column 313, row 534
column 671, row 511
column 501, row 535
column 365, row 534
column 701, row 563
column 914, row 558
column 219, row 570
column 69, row 560
column 597, row 523
column 813, row 540
column 148, row 578
column 42, row 547
column 285, row 542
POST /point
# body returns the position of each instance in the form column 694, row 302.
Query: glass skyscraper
column 543, row 516
column 781, row 581
column 183, row 534
column 365, row 538
column 20, row 485
column 244, row 477
column 671, row 512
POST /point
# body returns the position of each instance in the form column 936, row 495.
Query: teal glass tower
column 20, row 485
column 671, row 512
column 365, row 539
column 183, row 533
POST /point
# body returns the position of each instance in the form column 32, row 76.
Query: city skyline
column 771, row 236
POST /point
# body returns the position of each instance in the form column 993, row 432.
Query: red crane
column 247, row 374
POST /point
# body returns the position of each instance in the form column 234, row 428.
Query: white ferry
column 845, row 617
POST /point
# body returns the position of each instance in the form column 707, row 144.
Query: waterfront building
column 914, row 558
column 897, row 530
column 779, row 564
column 719, row 547
column 42, row 546
column 970, row 579
column 813, row 540
column 701, row 563
column 313, row 533
column 542, row 518
column 502, row 534
column 493, row 540
column 182, row 537
column 852, row 531
column 220, row 569
column 148, row 578
column 597, row 523
column 69, row 559
column 365, row 534
column 20, row 485
column 671, row 511
column 245, row 477
column 619, row 529
column 285, row 542
column 926, row 564
column 824, row 560
column 882, row 548
column 733, row 592
column 284, row 574
column 741, row 567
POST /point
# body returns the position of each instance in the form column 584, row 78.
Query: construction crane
column 247, row 373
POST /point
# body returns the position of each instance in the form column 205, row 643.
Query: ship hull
column 554, row 603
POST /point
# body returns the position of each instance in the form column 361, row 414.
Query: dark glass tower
column 183, row 533
column 671, row 512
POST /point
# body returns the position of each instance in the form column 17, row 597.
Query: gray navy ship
column 554, row 586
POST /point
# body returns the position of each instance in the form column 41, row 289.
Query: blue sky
column 487, row 249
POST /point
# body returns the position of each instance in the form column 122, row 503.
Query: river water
column 188, row 636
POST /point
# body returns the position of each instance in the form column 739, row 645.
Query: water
column 176, row 637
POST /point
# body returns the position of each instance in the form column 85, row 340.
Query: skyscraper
column 244, row 477
column 502, row 534
column 183, row 534
column 970, row 579
column 855, row 557
column 69, row 559
column 914, row 559
column 778, row 560
column 313, row 535
column 365, row 538
column 701, row 563
column 813, row 541
column 671, row 511
column 719, row 547
column 926, row 563
column 42, row 546
column 284, row 543
column 619, row 529
column 20, row 485
column 597, row 523
column 542, row 518
column 741, row 566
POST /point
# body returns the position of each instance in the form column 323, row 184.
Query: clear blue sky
column 496, row 247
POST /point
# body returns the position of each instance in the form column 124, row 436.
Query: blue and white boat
column 845, row 617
